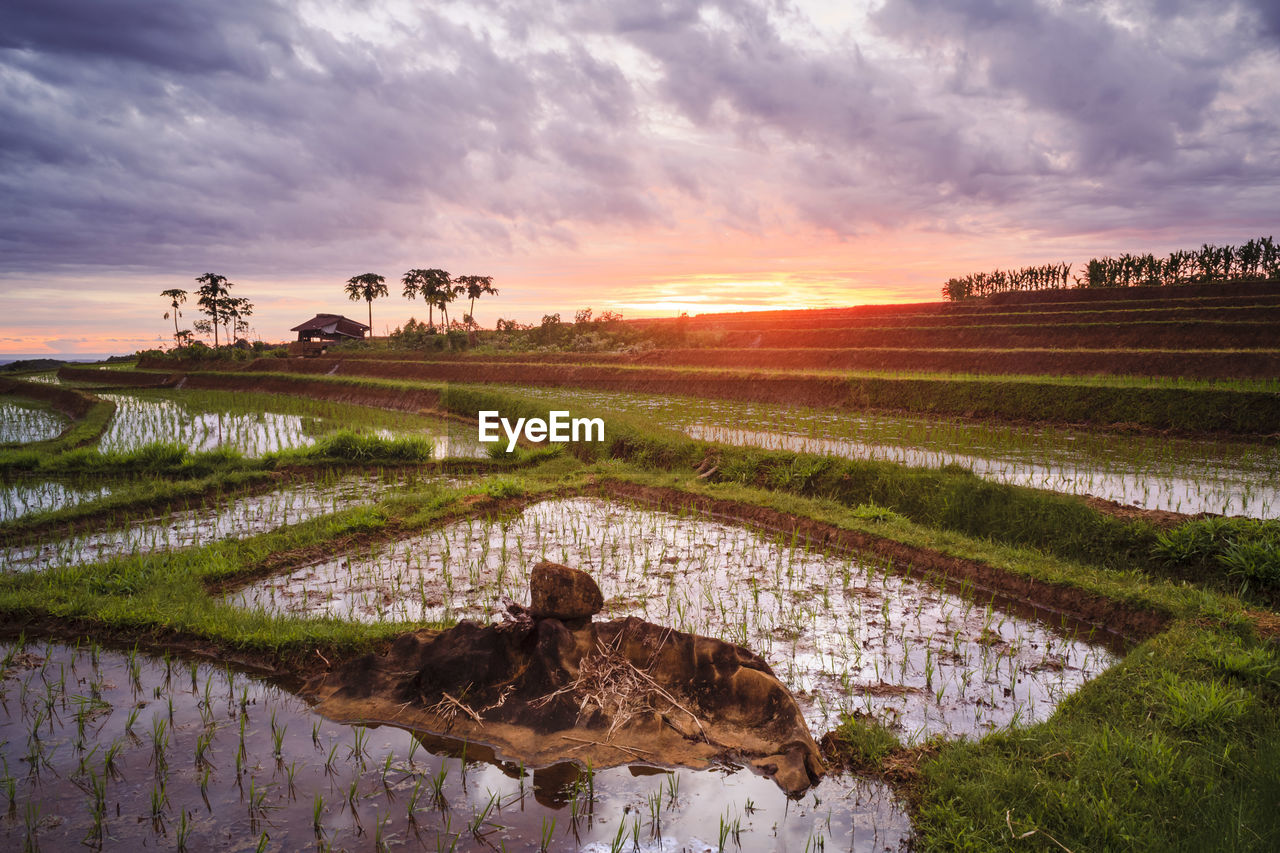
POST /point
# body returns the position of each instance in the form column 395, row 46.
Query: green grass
column 1172, row 749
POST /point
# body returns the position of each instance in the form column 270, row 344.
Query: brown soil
column 605, row 693
column 117, row 378
column 1161, row 518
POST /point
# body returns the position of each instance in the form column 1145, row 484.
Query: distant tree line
column 1255, row 260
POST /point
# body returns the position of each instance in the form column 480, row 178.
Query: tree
column 176, row 297
column 214, row 292
column 368, row 287
column 234, row 311
column 450, row 293
column 475, row 286
column 430, row 283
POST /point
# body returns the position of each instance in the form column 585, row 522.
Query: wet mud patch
column 844, row 633
column 138, row 751
column 604, row 693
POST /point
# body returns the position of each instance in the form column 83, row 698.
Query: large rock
column 561, row 592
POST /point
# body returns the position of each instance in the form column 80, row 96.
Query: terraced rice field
column 989, row 662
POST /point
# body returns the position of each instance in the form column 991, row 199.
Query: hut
column 322, row 330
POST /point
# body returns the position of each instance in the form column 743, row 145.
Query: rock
column 561, row 592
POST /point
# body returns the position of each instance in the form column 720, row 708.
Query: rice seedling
column 22, row 421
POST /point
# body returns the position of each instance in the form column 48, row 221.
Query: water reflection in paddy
column 843, row 633
column 134, row 751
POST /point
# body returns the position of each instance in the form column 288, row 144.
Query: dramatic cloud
column 300, row 141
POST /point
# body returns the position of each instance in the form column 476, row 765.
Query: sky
column 647, row 158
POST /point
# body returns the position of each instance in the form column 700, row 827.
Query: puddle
column 239, row 518
column 21, row 422
column 1151, row 472
column 137, row 752
column 21, row 499
column 139, row 422
column 844, row 634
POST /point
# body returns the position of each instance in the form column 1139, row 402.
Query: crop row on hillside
column 1060, row 301
column 1156, row 335
column 1197, row 364
column 1187, row 410
column 1249, row 310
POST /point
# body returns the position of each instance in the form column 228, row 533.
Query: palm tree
column 430, row 283
column 476, row 286
column 176, row 297
column 446, row 295
column 368, row 287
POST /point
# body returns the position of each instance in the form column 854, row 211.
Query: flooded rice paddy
column 140, row 421
column 1151, row 472
column 22, row 422
column 27, row 498
column 845, row 634
column 241, row 517
column 46, row 377
column 125, row 750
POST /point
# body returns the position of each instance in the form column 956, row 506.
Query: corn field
column 1255, row 260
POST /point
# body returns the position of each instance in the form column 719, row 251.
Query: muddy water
column 139, row 422
column 20, row 499
column 118, row 750
column 21, row 423
column 845, row 635
column 1151, row 472
column 239, row 518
